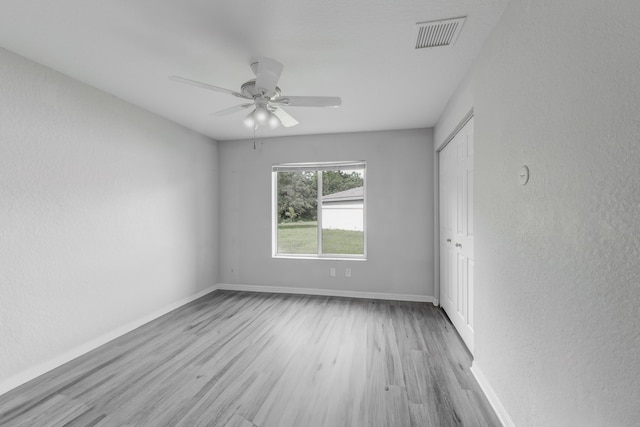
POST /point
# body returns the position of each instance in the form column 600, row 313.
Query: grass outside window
column 302, row 238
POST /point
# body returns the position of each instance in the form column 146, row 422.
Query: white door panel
column 456, row 231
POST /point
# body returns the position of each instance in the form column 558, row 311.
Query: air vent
column 437, row 33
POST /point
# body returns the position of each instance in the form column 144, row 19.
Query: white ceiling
column 360, row 50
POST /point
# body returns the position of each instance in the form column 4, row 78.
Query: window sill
column 319, row 258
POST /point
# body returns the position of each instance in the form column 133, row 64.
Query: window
column 319, row 210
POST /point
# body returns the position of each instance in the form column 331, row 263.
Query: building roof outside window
column 353, row 194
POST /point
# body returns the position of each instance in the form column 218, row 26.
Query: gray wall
column 108, row 213
column 558, row 261
column 399, row 212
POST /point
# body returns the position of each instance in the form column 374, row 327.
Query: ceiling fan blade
column 267, row 75
column 309, row 101
column 206, row 86
column 284, row 117
column 231, row 110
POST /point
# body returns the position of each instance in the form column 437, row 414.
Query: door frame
column 436, row 204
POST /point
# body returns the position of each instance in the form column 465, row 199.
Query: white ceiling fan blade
column 231, row 110
column 267, row 75
column 309, row 101
column 284, row 117
column 206, row 86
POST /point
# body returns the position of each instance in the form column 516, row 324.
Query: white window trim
column 313, row 166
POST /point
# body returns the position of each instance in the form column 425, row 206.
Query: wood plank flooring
column 240, row 359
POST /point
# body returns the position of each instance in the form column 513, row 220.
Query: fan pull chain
column 254, row 137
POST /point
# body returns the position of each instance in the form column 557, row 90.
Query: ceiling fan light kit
column 274, row 122
column 266, row 96
column 260, row 116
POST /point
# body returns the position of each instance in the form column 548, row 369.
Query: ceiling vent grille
column 437, row 33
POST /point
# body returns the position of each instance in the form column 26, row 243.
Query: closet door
column 456, row 231
column 448, row 294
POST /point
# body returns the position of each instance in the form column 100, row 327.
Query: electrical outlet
column 347, row 272
column 332, row 272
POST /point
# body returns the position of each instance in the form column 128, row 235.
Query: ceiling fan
column 265, row 96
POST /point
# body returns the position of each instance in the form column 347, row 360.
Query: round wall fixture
column 523, row 175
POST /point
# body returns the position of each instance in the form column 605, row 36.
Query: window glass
column 343, row 212
column 297, row 210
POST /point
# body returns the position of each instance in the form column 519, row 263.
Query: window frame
column 317, row 167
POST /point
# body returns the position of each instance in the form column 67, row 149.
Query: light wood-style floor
column 249, row 359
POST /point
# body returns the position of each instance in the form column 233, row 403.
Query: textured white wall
column 108, row 213
column 558, row 261
column 399, row 212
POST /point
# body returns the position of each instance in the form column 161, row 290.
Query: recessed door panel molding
column 470, row 292
column 460, row 302
column 457, row 231
column 469, row 223
column 460, row 205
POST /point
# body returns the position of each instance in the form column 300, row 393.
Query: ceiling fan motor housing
column 249, row 90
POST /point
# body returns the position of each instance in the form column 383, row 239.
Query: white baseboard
column 501, row 412
column 36, row 371
column 325, row 292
